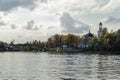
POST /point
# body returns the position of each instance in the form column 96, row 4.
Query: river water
column 46, row 66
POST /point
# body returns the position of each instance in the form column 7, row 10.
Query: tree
column 57, row 40
column 94, row 43
column 50, row 42
column 104, row 31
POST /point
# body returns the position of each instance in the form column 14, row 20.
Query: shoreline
column 103, row 52
column 73, row 52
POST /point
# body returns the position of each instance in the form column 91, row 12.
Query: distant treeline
column 107, row 42
column 55, row 41
column 3, row 46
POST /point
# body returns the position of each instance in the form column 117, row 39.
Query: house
column 82, row 46
column 64, row 46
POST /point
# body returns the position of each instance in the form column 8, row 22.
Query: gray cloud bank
column 112, row 20
column 72, row 26
column 6, row 5
column 2, row 23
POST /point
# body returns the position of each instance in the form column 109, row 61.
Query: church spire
column 100, row 23
column 89, row 30
column 100, row 26
column 100, row 29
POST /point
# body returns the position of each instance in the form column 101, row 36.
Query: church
column 89, row 37
column 100, row 31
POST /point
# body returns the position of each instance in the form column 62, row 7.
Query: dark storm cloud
column 31, row 25
column 72, row 26
column 6, row 5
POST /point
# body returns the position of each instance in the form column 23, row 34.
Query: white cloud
column 111, row 6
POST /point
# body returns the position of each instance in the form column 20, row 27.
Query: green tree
column 104, row 31
column 94, row 43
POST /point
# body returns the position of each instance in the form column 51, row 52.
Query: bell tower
column 100, row 30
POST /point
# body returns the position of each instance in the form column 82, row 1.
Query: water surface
column 45, row 66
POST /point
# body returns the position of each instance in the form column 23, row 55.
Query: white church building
column 100, row 30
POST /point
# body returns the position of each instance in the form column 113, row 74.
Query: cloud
column 111, row 6
column 43, row 1
column 31, row 25
column 111, row 20
column 83, row 4
column 51, row 27
column 36, row 28
column 2, row 23
column 6, row 5
column 13, row 26
column 72, row 26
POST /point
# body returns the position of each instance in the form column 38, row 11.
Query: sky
column 27, row 20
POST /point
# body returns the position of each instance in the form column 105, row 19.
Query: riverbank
column 102, row 52
column 69, row 51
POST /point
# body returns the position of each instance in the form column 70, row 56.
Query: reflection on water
column 44, row 66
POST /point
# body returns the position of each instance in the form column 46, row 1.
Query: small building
column 64, row 46
column 82, row 46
